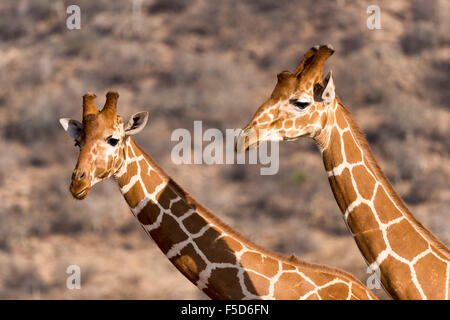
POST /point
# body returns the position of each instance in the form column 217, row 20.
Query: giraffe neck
column 412, row 262
column 210, row 254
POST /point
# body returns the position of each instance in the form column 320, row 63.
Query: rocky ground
column 214, row 61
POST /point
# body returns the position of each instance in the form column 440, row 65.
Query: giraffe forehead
column 306, row 86
column 95, row 126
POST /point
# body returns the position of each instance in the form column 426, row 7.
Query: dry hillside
column 215, row 61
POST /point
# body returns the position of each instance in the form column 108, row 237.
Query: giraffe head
column 298, row 106
column 101, row 139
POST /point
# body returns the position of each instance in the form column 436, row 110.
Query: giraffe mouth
column 246, row 140
column 290, row 138
column 82, row 194
column 251, row 138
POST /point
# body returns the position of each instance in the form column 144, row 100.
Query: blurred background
column 215, row 61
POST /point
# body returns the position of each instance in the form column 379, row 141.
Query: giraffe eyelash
column 299, row 104
column 112, row 141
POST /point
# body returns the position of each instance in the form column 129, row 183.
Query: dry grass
column 213, row 61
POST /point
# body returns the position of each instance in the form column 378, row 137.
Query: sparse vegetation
column 214, row 61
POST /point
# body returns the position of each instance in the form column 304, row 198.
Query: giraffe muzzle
column 81, row 195
column 80, row 188
column 247, row 139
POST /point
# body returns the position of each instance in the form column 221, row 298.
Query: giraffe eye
column 112, row 141
column 299, row 104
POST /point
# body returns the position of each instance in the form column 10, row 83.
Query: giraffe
column 214, row 257
column 412, row 262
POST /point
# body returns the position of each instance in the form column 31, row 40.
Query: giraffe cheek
column 110, row 163
column 277, row 125
column 99, row 173
column 314, row 117
column 292, row 134
column 323, row 120
column 301, row 122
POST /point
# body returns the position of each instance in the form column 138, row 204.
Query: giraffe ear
column 328, row 93
column 72, row 127
column 136, row 123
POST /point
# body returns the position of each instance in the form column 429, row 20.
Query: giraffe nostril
column 77, row 175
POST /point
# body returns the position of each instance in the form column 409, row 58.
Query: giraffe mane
column 382, row 177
